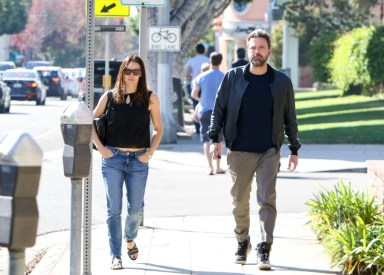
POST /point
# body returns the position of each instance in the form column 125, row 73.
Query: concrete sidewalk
column 199, row 245
column 195, row 241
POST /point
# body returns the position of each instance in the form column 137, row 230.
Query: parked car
column 99, row 74
column 5, row 65
column 25, row 85
column 5, row 98
column 34, row 63
column 54, row 79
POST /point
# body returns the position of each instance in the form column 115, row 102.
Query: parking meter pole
column 76, row 127
column 76, row 217
column 16, row 261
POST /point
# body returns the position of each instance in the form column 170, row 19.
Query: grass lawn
column 326, row 117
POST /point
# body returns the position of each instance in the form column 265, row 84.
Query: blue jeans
column 124, row 167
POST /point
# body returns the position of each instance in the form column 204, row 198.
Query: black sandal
column 132, row 251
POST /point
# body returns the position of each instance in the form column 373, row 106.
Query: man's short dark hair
column 260, row 33
column 215, row 58
column 240, row 53
column 200, row 49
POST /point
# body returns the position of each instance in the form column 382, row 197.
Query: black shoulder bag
column 101, row 123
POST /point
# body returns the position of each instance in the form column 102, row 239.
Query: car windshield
column 4, row 67
column 19, row 74
column 32, row 64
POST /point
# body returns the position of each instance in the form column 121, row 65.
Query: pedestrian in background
column 204, row 91
column 255, row 107
column 127, row 151
column 191, row 70
column 204, row 67
column 240, row 52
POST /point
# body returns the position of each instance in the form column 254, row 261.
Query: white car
column 72, row 80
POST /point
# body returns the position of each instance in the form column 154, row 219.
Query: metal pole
column 143, row 47
column 270, row 16
column 164, row 79
column 87, row 223
column 16, row 261
column 106, row 57
column 76, row 215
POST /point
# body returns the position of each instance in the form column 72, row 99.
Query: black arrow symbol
column 107, row 8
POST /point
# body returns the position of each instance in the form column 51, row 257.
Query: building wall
column 4, row 47
column 236, row 23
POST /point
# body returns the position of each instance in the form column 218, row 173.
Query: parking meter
column 20, row 168
column 76, row 127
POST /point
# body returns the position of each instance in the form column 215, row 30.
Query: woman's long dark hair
column 142, row 95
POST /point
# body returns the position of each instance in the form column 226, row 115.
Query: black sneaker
column 243, row 250
column 263, row 250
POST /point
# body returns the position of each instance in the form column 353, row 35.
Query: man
column 204, row 91
column 255, row 106
column 240, row 52
column 191, row 70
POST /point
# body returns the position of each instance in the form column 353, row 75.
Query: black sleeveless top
column 128, row 124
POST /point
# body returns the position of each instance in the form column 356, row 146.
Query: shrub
column 356, row 64
column 330, row 208
column 320, row 54
column 350, row 226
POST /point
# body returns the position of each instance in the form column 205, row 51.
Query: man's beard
column 259, row 61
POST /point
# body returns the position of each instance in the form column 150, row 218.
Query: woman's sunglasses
column 129, row 71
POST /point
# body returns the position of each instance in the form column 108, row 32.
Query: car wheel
column 63, row 95
column 38, row 99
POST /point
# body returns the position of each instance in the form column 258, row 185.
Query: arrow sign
column 110, row 8
column 107, row 8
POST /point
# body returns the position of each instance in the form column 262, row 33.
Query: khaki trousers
column 242, row 168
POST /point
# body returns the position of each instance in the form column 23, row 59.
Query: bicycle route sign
column 164, row 39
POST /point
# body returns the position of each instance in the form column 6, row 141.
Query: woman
column 127, row 151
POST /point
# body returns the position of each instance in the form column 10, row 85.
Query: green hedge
column 357, row 62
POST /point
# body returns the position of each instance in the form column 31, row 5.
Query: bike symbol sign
column 164, row 39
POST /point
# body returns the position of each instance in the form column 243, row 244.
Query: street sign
column 110, row 8
column 144, row 3
column 109, row 28
column 164, row 39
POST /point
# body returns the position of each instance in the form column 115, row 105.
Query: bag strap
column 108, row 100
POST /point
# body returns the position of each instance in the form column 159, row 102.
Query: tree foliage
column 56, row 30
column 277, row 46
column 357, row 60
column 314, row 18
column 321, row 52
column 13, row 16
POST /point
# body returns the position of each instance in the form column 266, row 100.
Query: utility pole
column 164, row 79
